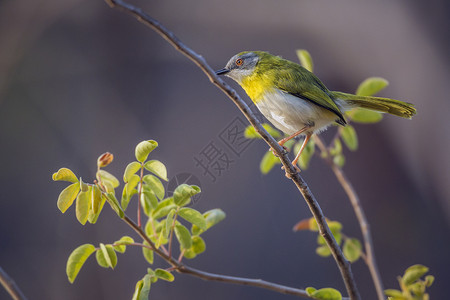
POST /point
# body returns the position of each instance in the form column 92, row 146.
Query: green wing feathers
column 385, row 105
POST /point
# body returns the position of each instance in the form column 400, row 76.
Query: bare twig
column 343, row 264
column 360, row 215
column 10, row 286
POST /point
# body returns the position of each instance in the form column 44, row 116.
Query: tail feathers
column 385, row 105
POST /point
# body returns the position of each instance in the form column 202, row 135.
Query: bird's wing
column 303, row 84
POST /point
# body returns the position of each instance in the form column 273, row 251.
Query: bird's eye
column 239, row 62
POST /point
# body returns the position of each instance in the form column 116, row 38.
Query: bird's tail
column 385, row 105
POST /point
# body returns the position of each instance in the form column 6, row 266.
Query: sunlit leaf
column 323, row 251
column 148, row 253
column 137, row 290
column 133, row 181
column 184, row 192
column 268, row 162
column 393, row 293
column 144, row 148
column 65, row 174
column 349, row 137
column 93, row 217
column 193, row 216
column 414, row 273
column 67, row 196
column 130, row 170
column 125, row 240
column 106, row 256
column 104, row 176
column 212, row 217
column 371, row 86
column 82, row 206
column 310, row 290
column 305, row 59
column 327, row 294
column 77, row 259
column 183, row 236
column 198, row 245
column 145, row 290
column 157, row 168
column 339, row 160
column 156, row 185
column 112, row 200
column 352, row 249
column 164, row 275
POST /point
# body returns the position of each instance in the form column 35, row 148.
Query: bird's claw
column 285, row 150
column 289, row 175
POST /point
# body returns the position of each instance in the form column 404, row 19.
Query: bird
column 295, row 101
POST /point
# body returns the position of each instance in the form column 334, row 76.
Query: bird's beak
column 222, row 71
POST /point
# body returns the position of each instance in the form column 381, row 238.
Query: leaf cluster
column 412, row 287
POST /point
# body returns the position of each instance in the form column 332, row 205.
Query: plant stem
column 343, row 264
column 10, row 286
column 360, row 215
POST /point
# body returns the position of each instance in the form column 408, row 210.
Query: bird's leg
column 283, row 141
column 307, row 137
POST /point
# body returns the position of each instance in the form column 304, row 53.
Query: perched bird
column 294, row 100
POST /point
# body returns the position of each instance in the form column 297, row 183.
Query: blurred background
column 78, row 79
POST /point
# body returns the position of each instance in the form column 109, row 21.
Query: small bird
column 294, row 100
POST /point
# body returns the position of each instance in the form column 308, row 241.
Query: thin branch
column 182, row 268
column 10, row 286
column 362, row 220
column 343, row 264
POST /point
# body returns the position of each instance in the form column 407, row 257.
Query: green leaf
column 198, row 245
column 114, row 204
column 149, row 201
column 82, row 206
column 352, row 249
column 334, row 226
column 183, row 193
column 137, row 289
column 156, row 185
column 268, row 162
column 157, row 168
column 106, row 256
column 371, row 86
column 67, row 196
column 163, row 211
column 212, row 217
column 193, row 216
column 64, row 174
column 183, row 236
column 305, row 59
column 93, row 217
column 132, row 183
column 77, row 259
column 126, row 197
column 131, row 170
column 164, row 275
column 310, row 290
column 145, row 290
column 364, row 116
column 96, row 196
column 251, row 133
column 148, row 253
column 125, row 240
column 106, row 177
column 323, row 251
column 169, row 223
column 144, row 148
column 337, row 148
column 313, row 225
column 327, row 294
column 339, row 160
column 393, row 293
column 349, row 137
column 272, row 131
column 429, row 279
column 414, row 273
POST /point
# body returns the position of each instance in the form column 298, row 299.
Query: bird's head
column 241, row 65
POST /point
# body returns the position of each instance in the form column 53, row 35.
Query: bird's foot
column 286, row 150
column 289, row 175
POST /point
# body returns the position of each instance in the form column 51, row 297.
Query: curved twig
column 343, row 264
column 10, row 286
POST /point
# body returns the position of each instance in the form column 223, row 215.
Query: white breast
column 290, row 113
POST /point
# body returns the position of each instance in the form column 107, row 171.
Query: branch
column 10, row 286
column 343, row 264
column 362, row 220
column 182, row 268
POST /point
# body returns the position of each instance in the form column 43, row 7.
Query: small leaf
column 393, row 293
column 164, row 275
column 352, row 249
column 114, row 204
column 183, row 236
column 96, row 198
column 157, row 168
column 155, row 185
column 101, row 260
column 212, row 217
column 169, row 223
column 334, row 226
column 323, row 251
column 268, row 162
column 429, row 279
column 313, row 225
column 64, row 174
column 251, row 133
column 339, row 160
column 371, row 86
column 109, row 255
column 76, row 260
column 106, row 177
column 67, row 196
column 305, row 59
column 148, row 201
column 198, row 245
column 302, row 225
column 337, row 148
column 163, row 208
column 272, row 131
column 126, row 197
column 132, row 183
column 145, row 290
column 93, row 217
column 193, row 216
column 349, row 137
column 144, row 148
column 414, row 273
column 364, row 116
column 125, row 240
column 183, row 194
column 137, row 289
column 148, row 253
column 327, row 294
column 82, row 206
column 130, row 170
column 190, row 254
column 310, row 290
